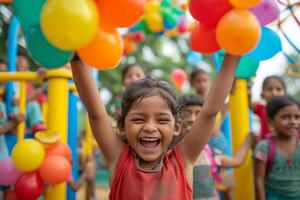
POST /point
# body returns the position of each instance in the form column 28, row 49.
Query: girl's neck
column 285, row 138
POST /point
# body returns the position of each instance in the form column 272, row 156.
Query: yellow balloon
column 154, row 22
column 28, row 155
column 69, row 24
column 152, row 6
column 244, row 3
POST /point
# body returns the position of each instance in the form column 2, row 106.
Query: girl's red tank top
column 168, row 183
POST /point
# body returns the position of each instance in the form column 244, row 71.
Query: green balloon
column 170, row 19
column 28, row 11
column 177, row 11
column 246, row 68
column 43, row 52
column 166, row 3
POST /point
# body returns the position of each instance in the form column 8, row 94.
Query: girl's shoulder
column 261, row 150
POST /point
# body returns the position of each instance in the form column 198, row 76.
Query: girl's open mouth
column 149, row 142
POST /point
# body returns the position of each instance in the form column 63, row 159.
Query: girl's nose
column 149, row 127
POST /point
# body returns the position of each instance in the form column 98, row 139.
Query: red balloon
column 120, row 13
column 55, row 169
column 29, row 186
column 59, row 149
column 203, row 39
column 178, row 78
column 209, row 12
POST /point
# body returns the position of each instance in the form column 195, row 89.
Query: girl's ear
column 177, row 128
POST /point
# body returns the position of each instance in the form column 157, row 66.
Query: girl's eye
column 164, row 121
column 137, row 120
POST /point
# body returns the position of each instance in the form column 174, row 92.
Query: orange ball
column 59, row 149
column 238, row 32
column 104, row 51
column 121, row 13
column 55, row 169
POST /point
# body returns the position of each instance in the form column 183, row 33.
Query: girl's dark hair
column 196, row 72
column 267, row 79
column 144, row 88
column 191, row 100
column 279, row 102
column 128, row 67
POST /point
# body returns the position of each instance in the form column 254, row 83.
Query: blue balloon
column 193, row 58
column 268, row 46
column 43, row 52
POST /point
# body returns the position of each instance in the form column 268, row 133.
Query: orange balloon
column 244, row 3
column 59, row 149
column 104, row 51
column 55, row 169
column 121, row 13
column 238, row 32
column 129, row 46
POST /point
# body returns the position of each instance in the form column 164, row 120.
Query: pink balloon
column 266, row 12
column 8, row 172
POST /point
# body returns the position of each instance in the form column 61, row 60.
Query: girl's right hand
column 18, row 118
column 251, row 139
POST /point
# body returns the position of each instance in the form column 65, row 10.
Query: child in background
column 130, row 73
column 272, row 86
column 200, row 81
column 35, row 121
column 277, row 158
column 205, row 170
column 142, row 167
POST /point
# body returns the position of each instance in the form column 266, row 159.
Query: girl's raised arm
column 194, row 141
column 101, row 124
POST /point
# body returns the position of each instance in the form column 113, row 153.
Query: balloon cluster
column 31, row 165
column 235, row 26
column 55, row 29
column 161, row 16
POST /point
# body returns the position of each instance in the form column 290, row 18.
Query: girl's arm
column 101, row 124
column 194, row 141
column 239, row 157
column 260, row 174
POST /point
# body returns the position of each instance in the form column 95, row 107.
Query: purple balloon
column 9, row 174
column 266, row 12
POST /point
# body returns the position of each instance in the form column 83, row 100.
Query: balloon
column 268, row 46
column 43, row 52
column 238, row 32
column 59, row 149
column 29, row 186
column 69, row 24
column 203, row 39
column 104, row 51
column 152, row 6
column 154, row 22
column 193, row 58
column 121, row 13
column 170, row 20
column 244, row 3
column 266, row 12
column 8, row 172
column 28, row 155
column 178, row 78
column 209, row 12
column 129, row 46
column 166, row 3
column 28, row 11
column 55, row 169
column 246, row 68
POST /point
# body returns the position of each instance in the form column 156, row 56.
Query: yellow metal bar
column 88, row 138
column 31, row 76
column 238, row 106
column 22, row 110
column 57, row 117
